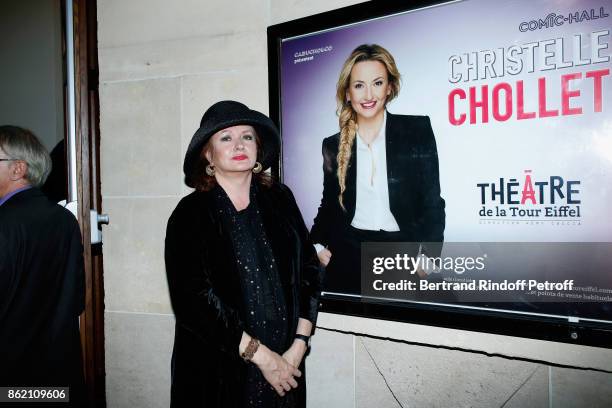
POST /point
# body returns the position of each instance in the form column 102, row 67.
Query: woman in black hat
column 242, row 273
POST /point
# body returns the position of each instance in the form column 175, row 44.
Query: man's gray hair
column 21, row 144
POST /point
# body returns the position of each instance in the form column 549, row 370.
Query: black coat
column 206, row 294
column 413, row 179
column 41, row 294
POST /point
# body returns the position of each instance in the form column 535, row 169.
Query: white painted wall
column 162, row 64
column 31, row 78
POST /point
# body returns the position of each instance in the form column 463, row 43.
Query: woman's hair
column 346, row 115
column 203, row 182
column 21, row 144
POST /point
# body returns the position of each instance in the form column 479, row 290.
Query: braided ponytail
column 348, row 131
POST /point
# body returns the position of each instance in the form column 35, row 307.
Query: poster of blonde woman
column 474, row 153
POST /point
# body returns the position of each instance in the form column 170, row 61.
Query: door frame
column 87, row 142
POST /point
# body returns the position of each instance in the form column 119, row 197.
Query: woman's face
column 233, row 149
column 368, row 89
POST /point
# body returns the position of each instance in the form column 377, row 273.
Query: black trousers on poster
column 343, row 273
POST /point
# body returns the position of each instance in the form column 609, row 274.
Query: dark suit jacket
column 41, row 293
column 413, row 179
column 205, row 291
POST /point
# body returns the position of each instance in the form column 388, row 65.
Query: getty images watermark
column 458, row 265
column 487, row 271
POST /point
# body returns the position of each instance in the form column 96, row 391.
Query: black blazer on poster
column 41, row 294
column 412, row 176
column 206, row 296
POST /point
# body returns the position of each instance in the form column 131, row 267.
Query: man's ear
column 18, row 170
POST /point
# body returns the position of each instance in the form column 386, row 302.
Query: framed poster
column 453, row 161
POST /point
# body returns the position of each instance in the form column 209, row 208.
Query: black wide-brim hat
column 224, row 114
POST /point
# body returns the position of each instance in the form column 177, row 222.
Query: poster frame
column 558, row 329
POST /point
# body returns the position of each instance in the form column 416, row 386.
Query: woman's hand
column 276, row 370
column 324, row 256
column 295, row 353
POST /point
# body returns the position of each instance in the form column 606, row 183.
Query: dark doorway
column 49, row 82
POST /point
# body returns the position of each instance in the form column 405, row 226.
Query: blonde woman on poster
column 381, row 179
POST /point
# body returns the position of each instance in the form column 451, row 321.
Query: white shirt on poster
column 372, row 209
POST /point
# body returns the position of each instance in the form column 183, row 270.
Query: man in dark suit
column 41, row 273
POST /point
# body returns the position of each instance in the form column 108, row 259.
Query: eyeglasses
column 1, row 160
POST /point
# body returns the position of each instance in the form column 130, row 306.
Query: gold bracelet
column 250, row 350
